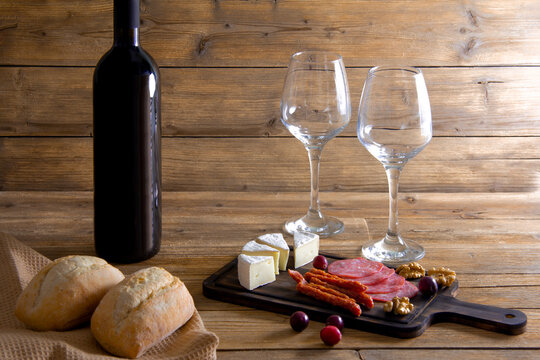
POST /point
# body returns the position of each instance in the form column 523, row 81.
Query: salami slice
column 377, row 277
column 408, row 289
column 354, row 268
column 392, row 284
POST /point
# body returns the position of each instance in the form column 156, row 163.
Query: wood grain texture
column 505, row 297
column 485, row 164
column 384, row 354
column 60, row 223
column 247, row 325
column 232, row 171
column 282, row 297
column 45, row 101
column 448, row 354
column 465, row 231
column 237, row 33
column 288, row 355
column 245, row 101
column 429, row 206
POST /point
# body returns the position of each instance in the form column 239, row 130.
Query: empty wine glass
column 394, row 124
column 315, row 107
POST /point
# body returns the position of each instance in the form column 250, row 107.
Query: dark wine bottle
column 127, row 145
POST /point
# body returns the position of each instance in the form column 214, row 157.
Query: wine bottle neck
column 126, row 37
column 126, row 22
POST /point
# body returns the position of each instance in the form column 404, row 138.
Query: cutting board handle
column 449, row 309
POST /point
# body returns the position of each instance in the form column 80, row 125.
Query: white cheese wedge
column 253, row 248
column 306, row 247
column 276, row 241
column 255, row 271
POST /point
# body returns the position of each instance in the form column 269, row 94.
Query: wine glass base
column 393, row 255
column 325, row 227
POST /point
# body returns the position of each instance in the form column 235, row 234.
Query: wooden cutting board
column 281, row 297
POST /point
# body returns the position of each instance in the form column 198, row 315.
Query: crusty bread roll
column 64, row 293
column 142, row 310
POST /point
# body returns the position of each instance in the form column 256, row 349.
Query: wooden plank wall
column 223, row 64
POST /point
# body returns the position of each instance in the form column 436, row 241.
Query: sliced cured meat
column 354, row 268
column 383, row 297
column 408, row 289
column 377, row 277
column 392, row 284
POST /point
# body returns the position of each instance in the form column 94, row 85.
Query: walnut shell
column 443, row 276
column 399, row 306
column 411, row 270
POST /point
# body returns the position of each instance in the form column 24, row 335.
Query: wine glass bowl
column 315, row 107
column 394, row 124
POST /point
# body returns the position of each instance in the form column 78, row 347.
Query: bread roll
column 142, row 310
column 65, row 293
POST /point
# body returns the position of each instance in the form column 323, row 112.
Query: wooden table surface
column 490, row 240
column 231, row 171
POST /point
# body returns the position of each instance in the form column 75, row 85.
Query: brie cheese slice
column 253, row 248
column 306, row 247
column 255, row 271
column 276, row 241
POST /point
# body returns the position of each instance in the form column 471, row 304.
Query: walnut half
column 399, row 306
column 443, row 276
column 411, row 270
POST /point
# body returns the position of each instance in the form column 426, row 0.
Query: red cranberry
column 299, row 321
column 320, row 262
column 330, row 335
column 336, row 321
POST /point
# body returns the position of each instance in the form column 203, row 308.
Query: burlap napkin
column 18, row 264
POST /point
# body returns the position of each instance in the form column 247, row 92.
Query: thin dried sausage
column 327, row 295
column 361, row 298
column 336, row 280
column 346, row 303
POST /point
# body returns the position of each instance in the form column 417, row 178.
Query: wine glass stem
column 314, row 153
column 392, row 235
